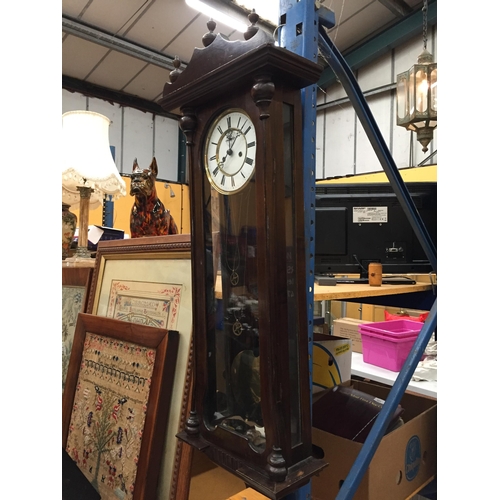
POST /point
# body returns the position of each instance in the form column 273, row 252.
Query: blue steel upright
column 298, row 33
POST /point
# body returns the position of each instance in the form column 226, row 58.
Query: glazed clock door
column 233, row 396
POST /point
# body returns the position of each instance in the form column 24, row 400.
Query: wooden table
column 79, row 262
column 418, row 296
column 248, row 494
column 359, row 291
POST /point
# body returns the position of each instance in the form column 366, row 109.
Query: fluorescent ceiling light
column 267, row 9
column 217, row 15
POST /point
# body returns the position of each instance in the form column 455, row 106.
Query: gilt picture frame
column 116, row 404
column 153, row 269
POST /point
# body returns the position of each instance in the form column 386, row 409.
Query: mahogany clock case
column 252, row 369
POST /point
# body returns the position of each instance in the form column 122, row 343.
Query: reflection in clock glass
column 245, row 386
column 245, row 382
column 233, row 401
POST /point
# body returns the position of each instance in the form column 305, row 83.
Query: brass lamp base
column 83, row 253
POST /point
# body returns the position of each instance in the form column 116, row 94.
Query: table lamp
column 89, row 173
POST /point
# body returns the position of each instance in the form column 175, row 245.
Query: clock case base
column 298, row 475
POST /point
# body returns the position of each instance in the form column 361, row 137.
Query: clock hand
column 234, row 138
column 231, row 144
column 229, row 138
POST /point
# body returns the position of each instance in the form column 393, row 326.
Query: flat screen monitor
column 361, row 223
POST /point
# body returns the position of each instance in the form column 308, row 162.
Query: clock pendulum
column 233, row 232
column 231, row 241
column 237, row 326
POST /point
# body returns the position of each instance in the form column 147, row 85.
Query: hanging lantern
column 416, row 92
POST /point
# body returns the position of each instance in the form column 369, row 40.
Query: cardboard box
column 323, row 329
column 319, row 325
column 404, row 462
column 331, row 359
column 209, row 481
column 347, row 328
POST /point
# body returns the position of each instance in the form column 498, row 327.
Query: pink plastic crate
column 386, row 344
column 395, row 329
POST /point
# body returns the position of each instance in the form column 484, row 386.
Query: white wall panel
column 166, row 147
column 114, row 113
column 401, row 144
column 406, row 55
column 72, row 101
column 376, row 74
column 137, row 139
column 366, row 159
column 334, row 92
column 320, row 132
column 339, row 140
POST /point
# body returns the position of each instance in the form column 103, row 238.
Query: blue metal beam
column 382, row 43
column 299, row 34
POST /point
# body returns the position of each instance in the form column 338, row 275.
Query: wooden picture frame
column 158, row 259
column 116, row 404
column 76, row 283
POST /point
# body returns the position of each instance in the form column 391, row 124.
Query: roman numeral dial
column 230, row 151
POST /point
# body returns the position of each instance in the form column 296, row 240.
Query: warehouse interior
column 124, row 54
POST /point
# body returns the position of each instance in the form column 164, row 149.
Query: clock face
column 230, row 149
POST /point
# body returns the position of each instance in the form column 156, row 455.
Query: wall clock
column 240, row 105
column 229, row 151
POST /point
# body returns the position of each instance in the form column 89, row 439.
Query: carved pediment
column 224, row 65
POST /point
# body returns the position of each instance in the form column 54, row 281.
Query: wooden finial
column 253, row 17
column 209, row 37
column 262, row 93
column 174, row 74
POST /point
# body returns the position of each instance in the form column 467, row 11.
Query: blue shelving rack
column 302, row 31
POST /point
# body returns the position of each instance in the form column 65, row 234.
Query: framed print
column 148, row 281
column 155, row 304
column 75, row 293
column 116, row 404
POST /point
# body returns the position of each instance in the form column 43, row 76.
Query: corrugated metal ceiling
column 127, row 47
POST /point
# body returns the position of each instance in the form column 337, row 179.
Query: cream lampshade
column 89, row 173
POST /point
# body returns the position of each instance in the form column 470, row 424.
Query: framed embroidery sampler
column 148, row 281
column 75, row 293
column 116, row 404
